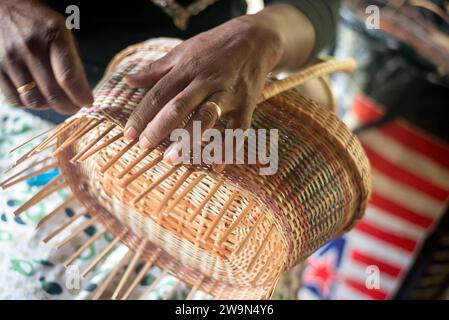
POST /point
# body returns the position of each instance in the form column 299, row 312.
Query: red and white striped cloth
column 410, row 193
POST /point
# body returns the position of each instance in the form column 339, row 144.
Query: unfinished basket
column 230, row 234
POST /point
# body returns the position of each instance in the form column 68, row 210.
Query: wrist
column 268, row 41
column 290, row 30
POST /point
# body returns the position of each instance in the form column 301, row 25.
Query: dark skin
column 36, row 46
column 227, row 65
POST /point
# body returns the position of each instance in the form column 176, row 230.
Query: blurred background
column 397, row 103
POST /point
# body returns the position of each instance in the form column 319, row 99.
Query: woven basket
column 230, row 234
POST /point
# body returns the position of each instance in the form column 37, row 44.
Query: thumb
column 68, row 70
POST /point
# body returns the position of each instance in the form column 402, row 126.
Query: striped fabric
column 410, row 194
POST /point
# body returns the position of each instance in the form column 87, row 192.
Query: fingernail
column 129, row 78
column 130, row 133
column 171, row 154
column 169, row 148
column 218, row 167
column 144, row 143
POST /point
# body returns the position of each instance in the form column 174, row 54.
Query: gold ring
column 216, row 106
column 26, row 87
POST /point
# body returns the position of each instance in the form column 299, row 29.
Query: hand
column 37, row 48
column 227, row 65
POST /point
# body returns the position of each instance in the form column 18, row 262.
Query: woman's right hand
column 37, row 50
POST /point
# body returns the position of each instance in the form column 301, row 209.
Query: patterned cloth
column 31, row 269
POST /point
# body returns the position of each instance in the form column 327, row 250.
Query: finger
column 20, row 76
column 155, row 99
column 41, row 70
column 9, row 91
column 241, row 121
column 206, row 115
column 68, row 70
column 173, row 114
column 148, row 76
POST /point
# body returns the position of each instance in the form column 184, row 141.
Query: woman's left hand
column 226, row 65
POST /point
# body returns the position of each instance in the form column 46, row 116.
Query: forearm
column 279, row 22
column 303, row 27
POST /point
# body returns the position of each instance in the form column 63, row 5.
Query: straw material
column 229, row 234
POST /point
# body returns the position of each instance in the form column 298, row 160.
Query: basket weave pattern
column 230, row 234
